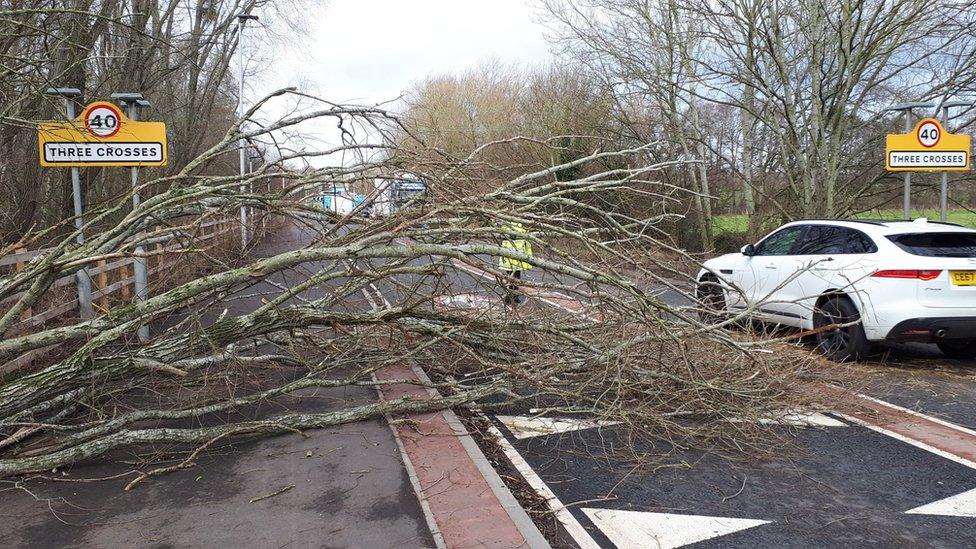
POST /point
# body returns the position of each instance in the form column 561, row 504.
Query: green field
column 739, row 223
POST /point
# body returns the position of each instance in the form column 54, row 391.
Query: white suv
column 902, row 280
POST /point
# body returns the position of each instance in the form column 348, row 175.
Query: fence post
column 160, row 256
column 103, row 286
column 124, row 271
column 28, row 312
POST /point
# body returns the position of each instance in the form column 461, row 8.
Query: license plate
column 963, row 278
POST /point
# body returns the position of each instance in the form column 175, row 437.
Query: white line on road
column 959, row 505
column 563, row 515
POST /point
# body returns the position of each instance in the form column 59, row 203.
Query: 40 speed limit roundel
column 929, row 133
column 103, row 119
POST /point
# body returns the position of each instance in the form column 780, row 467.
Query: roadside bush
column 729, row 242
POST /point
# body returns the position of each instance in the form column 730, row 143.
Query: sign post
column 928, row 147
column 907, row 198
column 103, row 137
column 944, row 188
column 85, row 310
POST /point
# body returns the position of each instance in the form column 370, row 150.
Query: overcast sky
column 371, row 51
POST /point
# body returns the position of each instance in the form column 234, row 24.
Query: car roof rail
column 948, row 223
column 879, row 222
column 929, row 221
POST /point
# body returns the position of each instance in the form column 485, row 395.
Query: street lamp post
column 907, row 198
column 134, row 102
column 84, row 280
column 242, row 20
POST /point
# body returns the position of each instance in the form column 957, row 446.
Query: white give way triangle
column 638, row 529
column 959, row 505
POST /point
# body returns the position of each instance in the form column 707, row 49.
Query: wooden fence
column 100, row 274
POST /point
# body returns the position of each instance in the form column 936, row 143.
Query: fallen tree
column 353, row 295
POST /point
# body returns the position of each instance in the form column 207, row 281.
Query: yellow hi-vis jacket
column 519, row 245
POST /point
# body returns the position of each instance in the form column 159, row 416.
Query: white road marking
column 527, row 427
column 473, row 270
column 959, row 505
column 573, row 527
column 467, row 301
column 643, row 530
column 803, row 419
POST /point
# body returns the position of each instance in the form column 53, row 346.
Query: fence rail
column 99, row 274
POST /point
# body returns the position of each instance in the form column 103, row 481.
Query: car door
column 770, row 266
column 831, row 258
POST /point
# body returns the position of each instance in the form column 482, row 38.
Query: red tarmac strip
column 930, row 433
column 465, row 505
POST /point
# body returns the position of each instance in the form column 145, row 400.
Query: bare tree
column 176, row 52
column 624, row 354
column 810, row 79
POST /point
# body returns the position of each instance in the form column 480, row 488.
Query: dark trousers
column 513, row 289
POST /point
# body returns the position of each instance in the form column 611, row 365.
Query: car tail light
column 920, row 274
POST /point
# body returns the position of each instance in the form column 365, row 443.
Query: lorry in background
column 397, row 192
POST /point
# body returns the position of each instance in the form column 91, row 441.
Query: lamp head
column 67, row 93
column 128, row 97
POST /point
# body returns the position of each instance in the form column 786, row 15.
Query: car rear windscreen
column 937, row 244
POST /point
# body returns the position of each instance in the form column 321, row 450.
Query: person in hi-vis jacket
column 514, row 267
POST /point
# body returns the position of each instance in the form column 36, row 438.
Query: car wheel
column 711, row 298
column 964, row 350
column 840, row 344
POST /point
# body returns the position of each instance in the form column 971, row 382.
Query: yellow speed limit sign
column 102, row 136
column 927, row 148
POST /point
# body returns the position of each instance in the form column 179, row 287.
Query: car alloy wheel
column 840, row 344
column 711, row 299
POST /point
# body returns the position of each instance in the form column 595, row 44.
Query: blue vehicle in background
column 357, row 202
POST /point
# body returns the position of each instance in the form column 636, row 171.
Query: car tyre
column 711, row 299
column 962, row 350
column 840, row 344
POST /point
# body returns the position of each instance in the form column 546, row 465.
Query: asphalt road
column 842, row 485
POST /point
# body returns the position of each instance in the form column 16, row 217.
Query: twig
column 735, row 495
column 272, row 494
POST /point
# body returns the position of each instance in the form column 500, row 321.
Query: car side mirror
column 749, row 250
